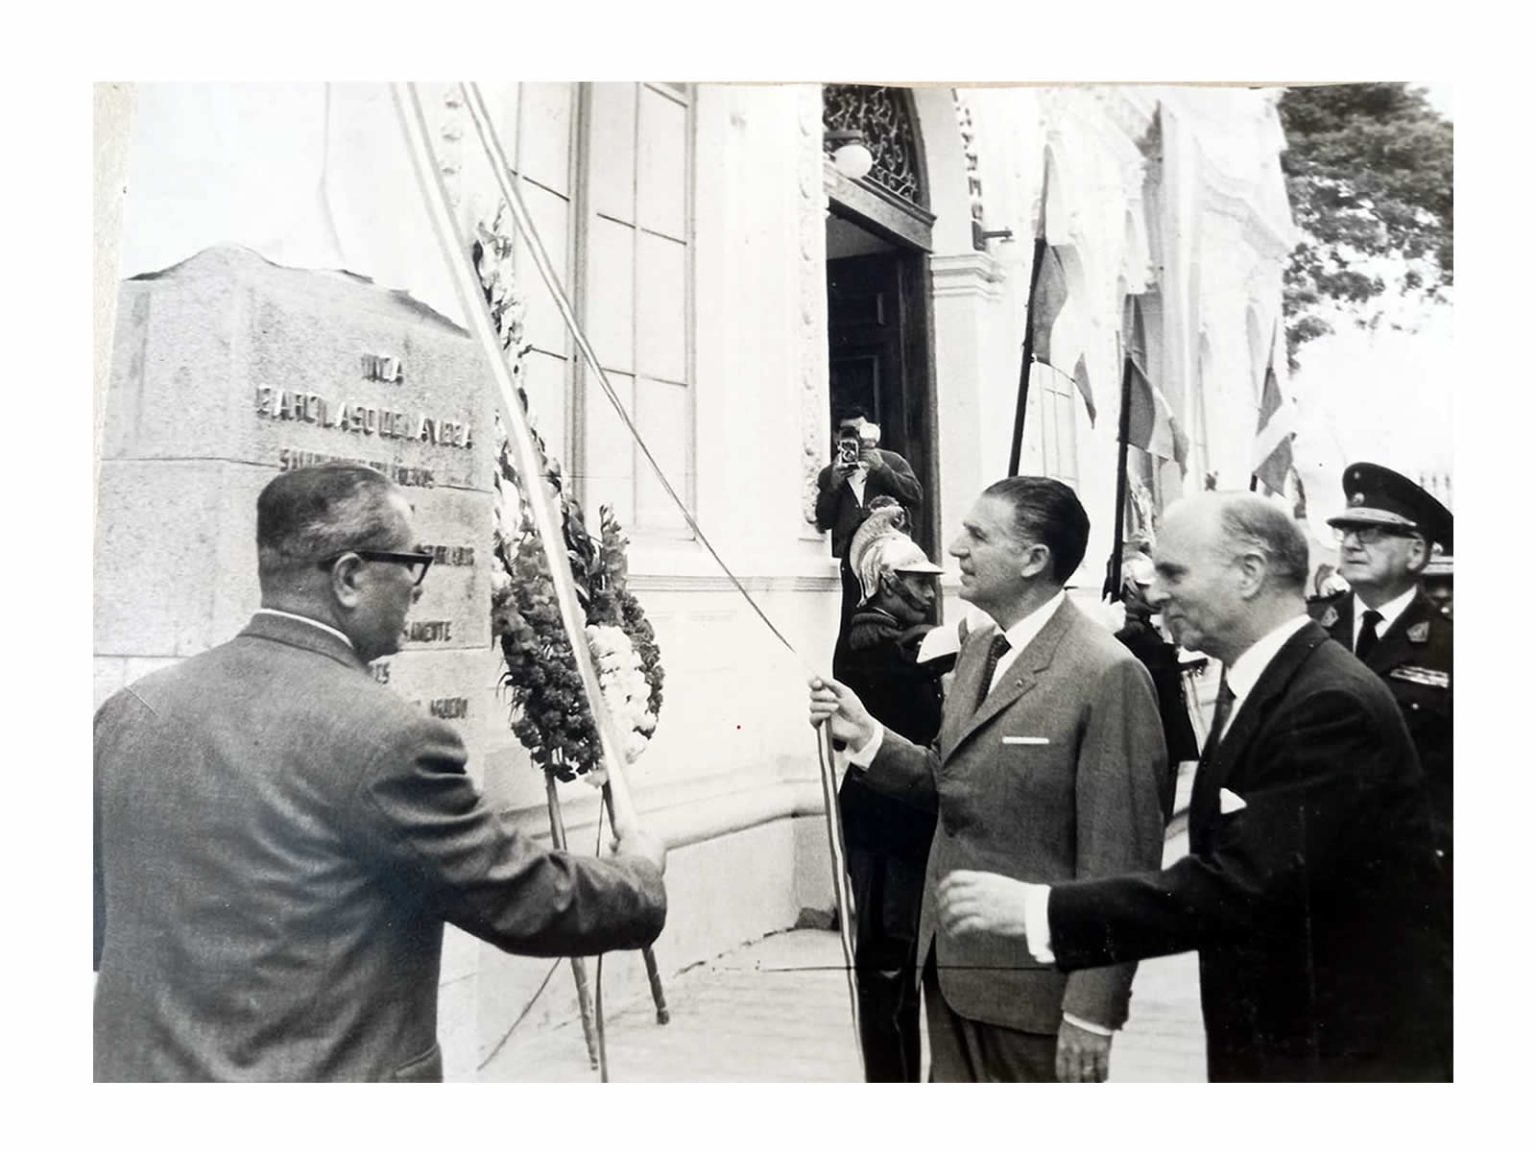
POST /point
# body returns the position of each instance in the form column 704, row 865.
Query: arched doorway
column 879, row 288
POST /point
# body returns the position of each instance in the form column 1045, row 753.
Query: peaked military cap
column 1377, row 495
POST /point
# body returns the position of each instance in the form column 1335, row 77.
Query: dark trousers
column 887, row 897
column 965, row 1051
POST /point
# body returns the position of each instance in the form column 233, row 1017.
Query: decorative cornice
column 967, row 274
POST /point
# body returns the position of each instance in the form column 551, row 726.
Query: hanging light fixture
column 849, row 155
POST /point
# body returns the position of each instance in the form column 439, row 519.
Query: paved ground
column 776, row 1010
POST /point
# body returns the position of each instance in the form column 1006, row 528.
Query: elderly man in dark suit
column 279, row 840
column 1387, row 535
column 1309, row 889
column 1049, row 766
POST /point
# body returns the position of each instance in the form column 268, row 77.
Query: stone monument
column 228, row 370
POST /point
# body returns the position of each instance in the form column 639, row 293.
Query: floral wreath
column 550, row 714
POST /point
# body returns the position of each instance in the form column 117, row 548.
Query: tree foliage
column 1369, row 172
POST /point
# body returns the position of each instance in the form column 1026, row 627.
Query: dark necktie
column 1225, row 698
column 1367, row 638
column 994, row 654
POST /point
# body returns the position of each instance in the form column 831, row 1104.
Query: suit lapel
column 1022, row 675
column 1343, row 629
column 1258, row 703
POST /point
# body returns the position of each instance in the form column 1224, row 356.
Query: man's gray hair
column 1252, row 524
column 310, row 514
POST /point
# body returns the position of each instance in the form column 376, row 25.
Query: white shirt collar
column 1390, row 611
column 342, row 636
column 1025, row 630
column 1247, row 668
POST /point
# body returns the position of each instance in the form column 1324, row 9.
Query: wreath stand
column 578, row 963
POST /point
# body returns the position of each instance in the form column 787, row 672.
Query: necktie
column 1367, row 638
column 994, row 654
column 1225, row 698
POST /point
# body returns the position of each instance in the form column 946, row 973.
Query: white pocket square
column 1231, row 802
column 1025, row 740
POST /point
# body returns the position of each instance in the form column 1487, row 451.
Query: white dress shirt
column 856, row 480
column 342, row 636
column 1241, row 677
column 1247, row 668
column 1389, row 611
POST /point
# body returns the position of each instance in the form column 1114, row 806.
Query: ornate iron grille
column 884, row 116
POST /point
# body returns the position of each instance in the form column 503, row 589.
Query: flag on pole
column 1080, row 378
column 1152, row 425
column 1046, row 302
column 1277, row 428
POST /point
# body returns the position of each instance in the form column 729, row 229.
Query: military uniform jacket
column 279, row 841
column 1058, row 774
column 1413, row 657
column 1311, row 890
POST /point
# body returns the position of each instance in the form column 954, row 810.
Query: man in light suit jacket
column 279, row 839
column 1310, row 889
column 1049, row 766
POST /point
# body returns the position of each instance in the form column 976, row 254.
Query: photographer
column 846, row 493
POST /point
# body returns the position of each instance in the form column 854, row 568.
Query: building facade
column 738, row 290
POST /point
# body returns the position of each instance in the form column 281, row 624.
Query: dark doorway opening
column 879, row 320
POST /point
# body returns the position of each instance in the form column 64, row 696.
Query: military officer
column 1387, row 536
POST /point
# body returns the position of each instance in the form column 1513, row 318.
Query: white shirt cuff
column 1037, row 922
column 865, row 756
column 1087, row 1025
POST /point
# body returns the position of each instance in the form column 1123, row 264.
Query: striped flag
column 1152, row 425
column 1046, row 302
column 1277, row 428
column 1080, row 378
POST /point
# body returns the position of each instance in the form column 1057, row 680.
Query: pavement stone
column 776, row 1011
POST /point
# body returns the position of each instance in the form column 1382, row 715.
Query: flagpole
column 1113, row 589
column 1017, row 446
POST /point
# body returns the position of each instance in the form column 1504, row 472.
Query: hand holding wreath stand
column 472, row 300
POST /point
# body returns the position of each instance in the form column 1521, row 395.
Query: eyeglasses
column 416, row 563
column 1368, row 534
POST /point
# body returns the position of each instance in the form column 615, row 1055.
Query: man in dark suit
column 279, row 839
column 1309, row 889
column 1387, row 537
column 863, row 478
column 1049, row 766
column 862, row 471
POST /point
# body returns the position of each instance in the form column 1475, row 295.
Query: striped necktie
column 994, row 654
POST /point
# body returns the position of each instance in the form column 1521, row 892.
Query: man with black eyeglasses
column 279, row 839
column 1387, row 536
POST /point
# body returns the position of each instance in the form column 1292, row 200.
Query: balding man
column 279, row 840
column 1309, row 887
